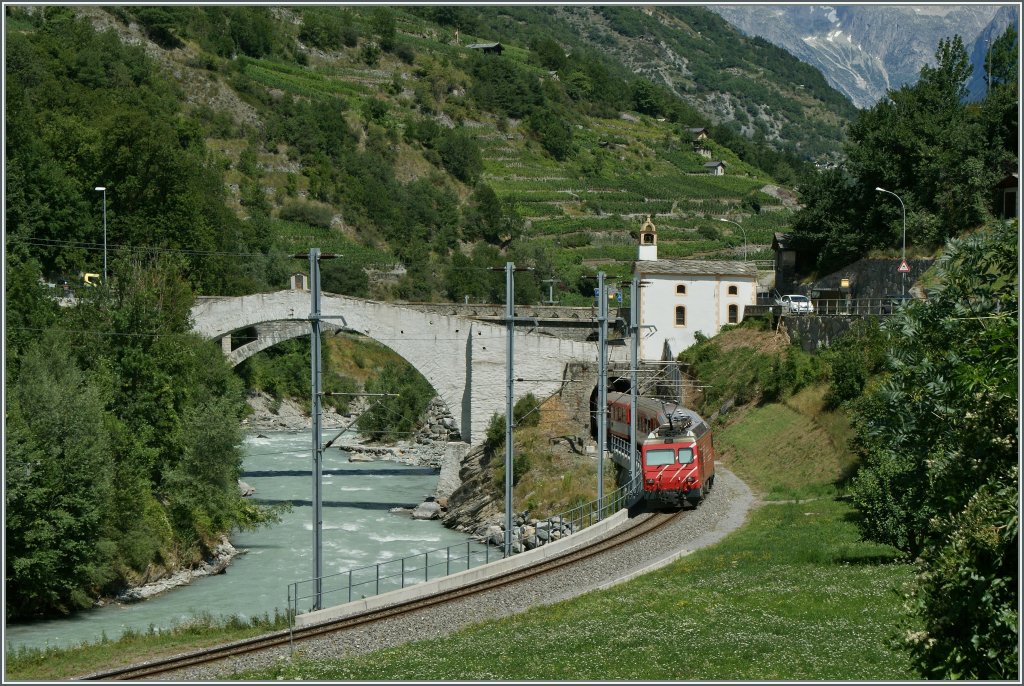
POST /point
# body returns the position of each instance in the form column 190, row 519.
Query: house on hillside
column 785, row 263
column 697, row 134
column 489, row 48
column 681, row 297
column 716, row 168
column 1009, row 202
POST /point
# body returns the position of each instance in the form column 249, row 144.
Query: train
column 675, row 445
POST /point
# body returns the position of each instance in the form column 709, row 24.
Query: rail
column 393, row 575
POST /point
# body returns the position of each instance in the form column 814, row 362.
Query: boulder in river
column 431, row 510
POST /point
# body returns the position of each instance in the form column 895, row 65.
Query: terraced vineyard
column 637, row 167
column 584, row 212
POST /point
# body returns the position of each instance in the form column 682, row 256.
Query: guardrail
column 856, row 307
column 392, row 575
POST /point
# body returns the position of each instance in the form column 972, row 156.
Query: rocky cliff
column 863, row 50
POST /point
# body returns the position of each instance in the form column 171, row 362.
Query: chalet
column 697, row 134
column 715, row 168
column 1009, row 203
column 489, row 48
column 682, row 297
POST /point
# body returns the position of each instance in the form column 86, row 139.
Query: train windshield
column 659, row 457
column 685, row 455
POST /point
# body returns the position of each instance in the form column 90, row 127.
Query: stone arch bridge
column 464, row 359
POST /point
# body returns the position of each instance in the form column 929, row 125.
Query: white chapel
column 681, row 297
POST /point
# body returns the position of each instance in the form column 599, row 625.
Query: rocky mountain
column 863, row 50
column 1006, row 16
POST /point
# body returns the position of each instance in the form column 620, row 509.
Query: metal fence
column 392, row 575
column 856, row 306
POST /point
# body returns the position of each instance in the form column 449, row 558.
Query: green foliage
column 503, row 87
column 312, row 213
column 939, row 444
column 460, row 155
column 122, row 443
column 526, row 411
column 855, row 357
column 941, row 156
column 344, row 276
column 58, row 474
column 390, row 418
column 745, row 374
column 554, row 132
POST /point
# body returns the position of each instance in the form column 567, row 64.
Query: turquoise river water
column 358, row 530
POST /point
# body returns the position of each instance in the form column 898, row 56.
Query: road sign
column 904, row 267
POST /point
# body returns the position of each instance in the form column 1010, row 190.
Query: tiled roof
column 696, row 267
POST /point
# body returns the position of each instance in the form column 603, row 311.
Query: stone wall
column 813, row 332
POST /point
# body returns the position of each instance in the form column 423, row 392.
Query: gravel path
column 724, row 510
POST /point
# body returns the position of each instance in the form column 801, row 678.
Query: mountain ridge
column 863, row 51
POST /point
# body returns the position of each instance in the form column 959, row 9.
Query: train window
column 685, row 455
column 659, row 457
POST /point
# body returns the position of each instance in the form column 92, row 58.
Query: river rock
column 431, row 510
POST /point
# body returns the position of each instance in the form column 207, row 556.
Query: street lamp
column 104, row 189
column 744, row 235
column 904, row 274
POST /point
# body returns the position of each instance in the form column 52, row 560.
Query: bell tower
column 648, row 249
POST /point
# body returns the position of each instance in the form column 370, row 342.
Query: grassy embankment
column 792, row 595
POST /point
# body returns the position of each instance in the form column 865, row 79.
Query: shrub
column 526, row 411
column 314, row 214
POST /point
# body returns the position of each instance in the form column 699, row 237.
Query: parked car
column 795, row 304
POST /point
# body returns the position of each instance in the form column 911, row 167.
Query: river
column 358, row 530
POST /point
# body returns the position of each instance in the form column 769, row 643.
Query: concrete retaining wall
column 460, row 579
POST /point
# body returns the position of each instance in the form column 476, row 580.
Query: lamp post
column 904, row 207
column 744, row 235
column 104, row 189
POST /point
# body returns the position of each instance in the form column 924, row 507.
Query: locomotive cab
column 674, row 466
column 677, row 455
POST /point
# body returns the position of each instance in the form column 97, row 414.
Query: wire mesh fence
column 392, row 575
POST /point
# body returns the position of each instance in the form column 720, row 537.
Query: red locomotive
column 677, row 455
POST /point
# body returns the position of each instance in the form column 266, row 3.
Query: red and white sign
column 904, row 267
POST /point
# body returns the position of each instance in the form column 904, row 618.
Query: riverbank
column 218, row 561
column 434, row 446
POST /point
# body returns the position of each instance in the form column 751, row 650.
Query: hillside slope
column 381, row 135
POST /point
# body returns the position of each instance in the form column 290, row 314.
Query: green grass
column 788, row 451
column 50, row 664
column 793, row 595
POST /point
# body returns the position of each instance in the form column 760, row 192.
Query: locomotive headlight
column 690, row 479
column 650, row 482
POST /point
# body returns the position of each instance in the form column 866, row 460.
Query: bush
column 526, row 411
column 314, row 214
column 460, row 155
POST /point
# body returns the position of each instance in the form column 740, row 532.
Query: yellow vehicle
column 90, row 279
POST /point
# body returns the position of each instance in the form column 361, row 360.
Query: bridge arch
column 463, row 360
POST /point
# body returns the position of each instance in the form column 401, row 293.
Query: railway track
column 642, row 526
